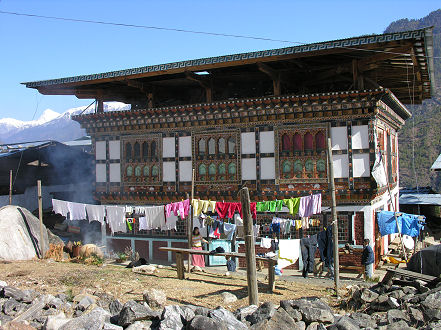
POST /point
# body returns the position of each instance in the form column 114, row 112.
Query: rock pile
column 388, row 308
column 397, row 305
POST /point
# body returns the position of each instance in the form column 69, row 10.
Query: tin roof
column 436, row 166
column 421, row 199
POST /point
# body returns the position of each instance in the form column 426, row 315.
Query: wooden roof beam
column 274, row 75
column 203, row 82
column 379, row 57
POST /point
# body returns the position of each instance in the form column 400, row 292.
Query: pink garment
column 197, row 259
column 317, row 204
column 310, row 205
column 304, row 205
column 182, row 207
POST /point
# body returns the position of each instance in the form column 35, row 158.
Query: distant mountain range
column 422, row 132
column 50, row 125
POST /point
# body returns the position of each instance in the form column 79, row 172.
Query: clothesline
column 166, row 216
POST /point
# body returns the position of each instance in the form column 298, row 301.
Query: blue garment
column 409, row 223
column 231, row 265
column 275, row 228
column 229, row 230
column 368, row 256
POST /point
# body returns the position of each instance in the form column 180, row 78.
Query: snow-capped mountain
column 50, row 125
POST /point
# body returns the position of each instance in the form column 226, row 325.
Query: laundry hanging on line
column 409, row 224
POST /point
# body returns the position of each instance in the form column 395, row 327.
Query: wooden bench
column 181, row 269
column 398, row 272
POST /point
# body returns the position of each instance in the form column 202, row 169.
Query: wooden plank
column 203, row 252
column 410, row 274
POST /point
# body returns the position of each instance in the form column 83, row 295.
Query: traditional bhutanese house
column 260, row 119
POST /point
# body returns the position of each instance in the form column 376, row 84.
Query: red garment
column 253, row 210
column 222, row 209
column 233, row 208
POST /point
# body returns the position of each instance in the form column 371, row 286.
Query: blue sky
column 39, row 49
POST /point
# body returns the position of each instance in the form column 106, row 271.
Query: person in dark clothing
column 325, row 245
column 308, row 247
column 367, row 260
column 274, row 243
column 231, row 265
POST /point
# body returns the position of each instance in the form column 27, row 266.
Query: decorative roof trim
column 341, row 43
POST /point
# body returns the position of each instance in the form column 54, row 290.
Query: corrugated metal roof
column 419, row 190
column 421, row 199
column 437, row 164
column 7, row 150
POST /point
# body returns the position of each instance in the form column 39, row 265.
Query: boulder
column 263, row 312
column 12, row 307
column 132, row 311
column 363, row 320
column 400, row 325
column 280, row 320
column 15, row 238
column 18, row 325
column 316, row 326
column 110, row 326
column 172, row 317
column 243, row 312
column 3, row 284
column 54, row 322
column 294, row 313
column 94, row 320
column 228, row 297
column 201, row 322
column 140, row 325
column 14, row 293
column 301, row 325
column 416, row 315
column 396, row 315
column 313, row 310
column 222, row 315
column 432, row 306
column 84, row 303
column 368, row 296
column 199, row 310
column 115, row 307
column 345, row 323
column 154, row 298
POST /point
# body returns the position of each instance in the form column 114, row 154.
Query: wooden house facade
column 260, row 119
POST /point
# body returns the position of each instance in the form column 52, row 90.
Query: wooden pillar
column 180, row 265
column 190, row 220
column 354, row 74
column 100, row 107
column 10, row 187
column 271, row 276
column 40, row 216
column 150, row 100
column 209, row 94
column 276, row 86
column 334, row 214
column 250, row 251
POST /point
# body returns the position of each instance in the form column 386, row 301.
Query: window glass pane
column 221, row 145
column 231, row 145
column 146, row 171
column 212, row 169
column 155, row 170
column 138, row 170
column 202, row 147
column 232, row 168
column 202, row 169
column 129, row 170
column 286, row 166
column 222, row 169
column 211, row 146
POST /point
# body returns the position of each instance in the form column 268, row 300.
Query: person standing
column 196, row 244
column 367, row 260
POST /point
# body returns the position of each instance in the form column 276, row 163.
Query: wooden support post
column 180, row 265
column 190, row 221
column 10, row 187
column 355, row 73
column 271, row 275
column 40, row 216
column 100, row 106
column 250, row 252
column 334, row 214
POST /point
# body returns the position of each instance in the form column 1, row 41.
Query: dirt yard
column 48, row 276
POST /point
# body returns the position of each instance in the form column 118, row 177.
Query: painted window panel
column 249, row 169
column 248, row 143
column 100, row 150
column 266, row 142
column 185, row 146
column 114, row 149
column 341, row 166
column 360, row 166
column 360, row 137
column 267, row 168
column 101, row 175
column 339, row 138
column 169, row 172
column 168, row 147
column 115, row 172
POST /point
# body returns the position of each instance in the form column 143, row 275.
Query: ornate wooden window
column 216, row 157
column 302, row 156
column 142, row 165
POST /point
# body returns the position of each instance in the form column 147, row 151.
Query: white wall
column 101, row 175
column 266, row 142
column 115, row 149
column 248, row 143
column 360, row 166
column 341, row 166
column 249, row 169
column 339, row 138
column 168, row 147
column 115, row 172
column 360, row 137
column 169, row 172
column 185, row 146
column 100, row 150
column 267, row 168
column 185, row 171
